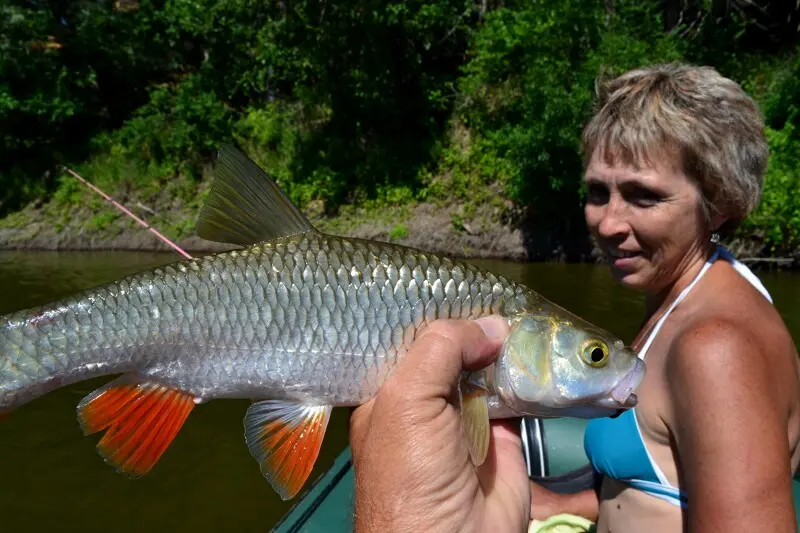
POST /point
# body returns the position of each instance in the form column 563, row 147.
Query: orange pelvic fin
column 285, row 439
column 141, row 419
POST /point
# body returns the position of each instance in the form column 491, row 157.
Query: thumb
column 443, row 350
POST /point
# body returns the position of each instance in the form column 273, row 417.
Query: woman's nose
column 613, row 222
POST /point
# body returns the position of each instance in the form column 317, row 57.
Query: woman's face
column 647, row 221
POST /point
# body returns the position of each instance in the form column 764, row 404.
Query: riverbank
column 448, row 229
column 435, row 228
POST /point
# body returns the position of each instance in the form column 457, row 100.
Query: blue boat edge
column 327, row 505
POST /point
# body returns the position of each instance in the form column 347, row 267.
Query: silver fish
column 300, row 322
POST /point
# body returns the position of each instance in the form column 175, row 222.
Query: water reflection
column 207, row 481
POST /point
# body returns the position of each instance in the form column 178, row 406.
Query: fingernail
column 493, row 327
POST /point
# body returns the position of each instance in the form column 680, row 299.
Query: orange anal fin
column 285, row 439
column 140, row 418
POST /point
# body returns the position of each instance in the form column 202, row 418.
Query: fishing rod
column 129, row 213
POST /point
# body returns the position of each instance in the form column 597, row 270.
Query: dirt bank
column 434, row 228
column 424, row 226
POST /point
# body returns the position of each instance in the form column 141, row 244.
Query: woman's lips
column 623, row 259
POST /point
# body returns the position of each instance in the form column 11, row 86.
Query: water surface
column 207, row 481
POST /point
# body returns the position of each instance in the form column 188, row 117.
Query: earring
column 715, row 237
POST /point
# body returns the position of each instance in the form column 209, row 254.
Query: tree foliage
column 356, row 99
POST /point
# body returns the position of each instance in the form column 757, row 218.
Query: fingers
column 504, row 477
column 430, row 370
column 444, row 349
column 507, row 429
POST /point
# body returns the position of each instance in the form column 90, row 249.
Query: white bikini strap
column 742, row 269
column 671, row 493
column 660, row 473
column 678, row 300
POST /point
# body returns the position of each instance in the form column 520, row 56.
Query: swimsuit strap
column 742, row 269
column 678, row 300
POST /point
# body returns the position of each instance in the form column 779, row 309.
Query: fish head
column 554, row 363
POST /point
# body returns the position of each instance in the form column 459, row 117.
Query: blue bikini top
column 615, row 446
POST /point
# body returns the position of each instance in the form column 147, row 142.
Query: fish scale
column 298, row 321
column 289, row 323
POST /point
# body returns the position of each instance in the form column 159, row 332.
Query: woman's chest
column 625, row 510
column 652, row 413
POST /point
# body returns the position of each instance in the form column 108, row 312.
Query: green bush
column 358, row 101
column 528, row 90
column 777, row 218
column 178, row 129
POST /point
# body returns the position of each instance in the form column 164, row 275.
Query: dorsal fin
column 245, row 206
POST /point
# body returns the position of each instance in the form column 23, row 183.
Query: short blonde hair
column 707, row 120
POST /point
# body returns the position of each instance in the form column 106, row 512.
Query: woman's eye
column 644, row 197
column 597, row 194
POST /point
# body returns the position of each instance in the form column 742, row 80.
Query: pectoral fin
column 141, row 419
column 475, row 420
column 285, row 439
column 245, row 206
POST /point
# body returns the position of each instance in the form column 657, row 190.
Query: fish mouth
column 623, row 394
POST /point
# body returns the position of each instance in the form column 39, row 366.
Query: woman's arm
column 546, row 503
column 729, row 421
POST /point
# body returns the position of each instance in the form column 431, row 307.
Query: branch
column 777, row 260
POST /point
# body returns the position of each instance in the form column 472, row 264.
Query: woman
column 674, row 156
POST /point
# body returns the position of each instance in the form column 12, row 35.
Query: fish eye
column 595, row 353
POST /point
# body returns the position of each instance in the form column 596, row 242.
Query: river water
column 53, row 479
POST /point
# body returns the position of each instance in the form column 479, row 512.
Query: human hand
column 411, row 461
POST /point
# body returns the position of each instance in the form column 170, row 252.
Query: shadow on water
column 207, row 481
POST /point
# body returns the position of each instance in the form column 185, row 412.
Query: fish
column 299, row 322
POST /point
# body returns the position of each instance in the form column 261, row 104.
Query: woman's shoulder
column 734, row 337
column 728, row 307
column 721, row 374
